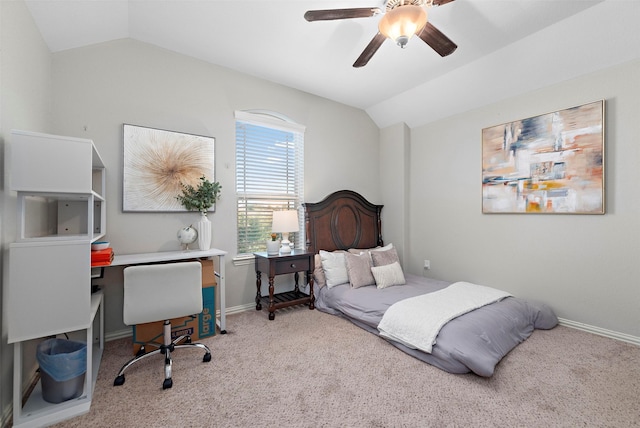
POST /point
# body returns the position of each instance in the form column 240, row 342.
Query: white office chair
column 158, row 293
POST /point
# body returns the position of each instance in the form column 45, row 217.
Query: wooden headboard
column 342, row 220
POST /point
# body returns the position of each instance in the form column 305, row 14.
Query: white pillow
column 385, row 248
column 388, row 275
column 335, row 267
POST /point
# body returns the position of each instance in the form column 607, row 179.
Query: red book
column 102, row 257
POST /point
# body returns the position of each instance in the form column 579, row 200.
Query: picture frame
column 157, row 162
column 553, row 163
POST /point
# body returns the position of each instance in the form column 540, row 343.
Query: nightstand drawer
column 292, row 265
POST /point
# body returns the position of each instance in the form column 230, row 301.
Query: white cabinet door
column 51, row 163
column 49, row 288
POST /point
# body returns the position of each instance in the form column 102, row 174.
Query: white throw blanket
column 415, row 322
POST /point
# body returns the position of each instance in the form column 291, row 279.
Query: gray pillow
column 359, row 270
column 318, row 273
column 382, row 258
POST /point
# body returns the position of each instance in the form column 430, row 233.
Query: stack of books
column 102, row 257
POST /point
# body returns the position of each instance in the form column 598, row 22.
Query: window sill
column 243, row 259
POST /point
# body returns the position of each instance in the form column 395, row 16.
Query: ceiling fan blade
column 331, row 14
column 368, row 52
column 438, row 41
column 441, row 2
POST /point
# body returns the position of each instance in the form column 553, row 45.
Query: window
column 269, row 176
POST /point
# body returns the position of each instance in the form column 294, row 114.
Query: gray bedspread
column 474, row 342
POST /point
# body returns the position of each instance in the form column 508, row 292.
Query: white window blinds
column 269, row 176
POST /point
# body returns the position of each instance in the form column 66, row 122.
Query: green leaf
column 200, row 198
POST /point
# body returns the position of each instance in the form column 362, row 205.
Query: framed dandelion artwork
column 157, row 163
column 548, row 164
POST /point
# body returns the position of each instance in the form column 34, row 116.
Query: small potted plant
column 273, row 245
column 201, row 198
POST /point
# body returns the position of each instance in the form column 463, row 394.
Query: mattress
column 473, row 342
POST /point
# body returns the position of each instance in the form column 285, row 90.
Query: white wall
column 585, row 266
column 25, row 102
column 103, row 86
column 394, row 184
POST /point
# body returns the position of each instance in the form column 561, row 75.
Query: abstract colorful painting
column 158, row 162
column 552, row 163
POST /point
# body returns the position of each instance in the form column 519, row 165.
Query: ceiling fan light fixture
column 403, row 22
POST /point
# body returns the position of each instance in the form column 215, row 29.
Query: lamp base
column 286, row 247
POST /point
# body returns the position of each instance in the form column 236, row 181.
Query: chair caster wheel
column 118, row 381
column 168, row 383
column 206, row 358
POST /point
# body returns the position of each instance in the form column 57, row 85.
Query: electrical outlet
column 427, row 264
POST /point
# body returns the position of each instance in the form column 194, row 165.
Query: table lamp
column 285, row 222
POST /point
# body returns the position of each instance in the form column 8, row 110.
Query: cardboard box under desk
column 198, row 327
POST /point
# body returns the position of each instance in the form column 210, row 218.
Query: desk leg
column 223, row 301
column 258, row 287
column 272, row 310
column 17, row 382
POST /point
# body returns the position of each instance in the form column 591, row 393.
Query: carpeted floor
column 310, row 369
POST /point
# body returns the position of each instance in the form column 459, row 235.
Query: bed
column 344, row 231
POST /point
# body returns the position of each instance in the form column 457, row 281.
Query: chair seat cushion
column 161, row 292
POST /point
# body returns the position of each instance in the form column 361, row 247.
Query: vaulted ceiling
column 505, row 47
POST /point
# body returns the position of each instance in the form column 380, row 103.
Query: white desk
column 167, row 256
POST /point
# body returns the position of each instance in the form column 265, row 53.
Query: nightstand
column 295, row 262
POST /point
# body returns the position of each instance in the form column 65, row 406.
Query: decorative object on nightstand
column 187, row 235
column 273, row 245
column 200, row 199
column 285, row 222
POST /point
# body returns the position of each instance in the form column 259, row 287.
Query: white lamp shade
column 285, row 221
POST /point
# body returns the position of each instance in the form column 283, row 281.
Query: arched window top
column 269, row 118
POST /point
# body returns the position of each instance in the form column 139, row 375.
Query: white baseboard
column 600, row 331
column 241, row 308
column 120, row 334
column 7, row 413
column 115, row 335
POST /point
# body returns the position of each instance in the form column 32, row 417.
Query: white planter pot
column 204, row 232
column 273, row 247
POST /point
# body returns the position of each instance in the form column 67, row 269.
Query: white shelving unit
column 36, row 412
column 60, row 185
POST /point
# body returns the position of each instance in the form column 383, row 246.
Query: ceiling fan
column 401, row 20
